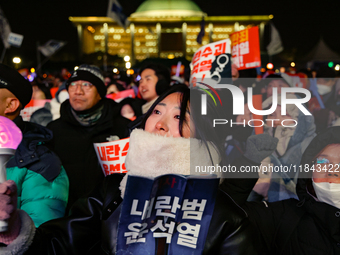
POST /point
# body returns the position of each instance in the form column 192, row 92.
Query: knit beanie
column 12, row 80
column 91, row 74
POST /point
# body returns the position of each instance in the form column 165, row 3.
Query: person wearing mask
column 42, row 182
column 86, row 117
column 309, row 224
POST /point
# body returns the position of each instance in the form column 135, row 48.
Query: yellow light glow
column 337, row 67
column 128, row 65
column 127, row 58
column 171, row 56
column 270, row 66
column 16, row 60
column 76, row 68
column 32, row 70
column 130, row 71
column 115, row 70
column 292, row 64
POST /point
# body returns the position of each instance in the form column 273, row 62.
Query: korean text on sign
column 246, row 48
column 172, row 207
column 111, row 155
column 203, row 61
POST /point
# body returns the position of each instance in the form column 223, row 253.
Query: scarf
column 89, row 117
column 152, row 155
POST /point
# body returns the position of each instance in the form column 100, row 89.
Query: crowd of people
column 58, row 201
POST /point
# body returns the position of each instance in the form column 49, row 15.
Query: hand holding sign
column 10, row 138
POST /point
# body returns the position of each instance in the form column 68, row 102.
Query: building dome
column 168, row 8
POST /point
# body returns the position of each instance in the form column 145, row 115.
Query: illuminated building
column 159, row 28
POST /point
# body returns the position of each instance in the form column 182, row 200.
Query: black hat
column 12, row 80
column 91, row 74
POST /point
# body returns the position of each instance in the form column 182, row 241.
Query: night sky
column 300, row 23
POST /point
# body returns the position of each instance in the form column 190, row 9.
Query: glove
column 9, row 212
column 258, row 147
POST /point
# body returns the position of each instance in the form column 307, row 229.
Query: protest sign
column 172, row 207
column 246, row 48
column 31, row 107
column 111, row 155
column 15, row 39
column 119, row 96
column 211, row 62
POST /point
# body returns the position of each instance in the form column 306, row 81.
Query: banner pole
column 3, row 54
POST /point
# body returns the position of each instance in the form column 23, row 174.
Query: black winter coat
column 73, row 143
column 91, row 228
column 304, row 226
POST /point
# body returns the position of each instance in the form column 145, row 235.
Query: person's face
column 112, row 89
column 275, row 84
column 147, row 85
column 164, row 120
column 127, row 112
column 37, row 93
column 326, row 167
column 107, row 81
column 276, row 118
column 83, row 95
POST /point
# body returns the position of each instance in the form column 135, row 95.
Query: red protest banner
column 119, row 96
column 245, row 47
column 31, row 107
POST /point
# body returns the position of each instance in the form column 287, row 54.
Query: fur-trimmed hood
column 151, row 155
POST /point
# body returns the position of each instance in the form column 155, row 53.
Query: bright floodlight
column 127, row 58
column 16, row 60
column 128, row 65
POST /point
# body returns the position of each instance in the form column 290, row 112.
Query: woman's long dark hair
column 203, row 126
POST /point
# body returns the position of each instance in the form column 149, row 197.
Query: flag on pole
column 5, row 29
column 275, row 46
column 49, row 48
column 202, row 32
column 15, row 39
column 115, row 12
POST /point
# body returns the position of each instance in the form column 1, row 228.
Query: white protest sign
column 111, row 155
column 212, row 61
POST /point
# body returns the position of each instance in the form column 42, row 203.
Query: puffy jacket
column 41, row 179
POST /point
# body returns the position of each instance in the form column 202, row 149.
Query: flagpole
column 38, row 55
column 47, row 58
column 3, row 54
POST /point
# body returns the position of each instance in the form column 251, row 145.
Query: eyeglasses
column 85, row 86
